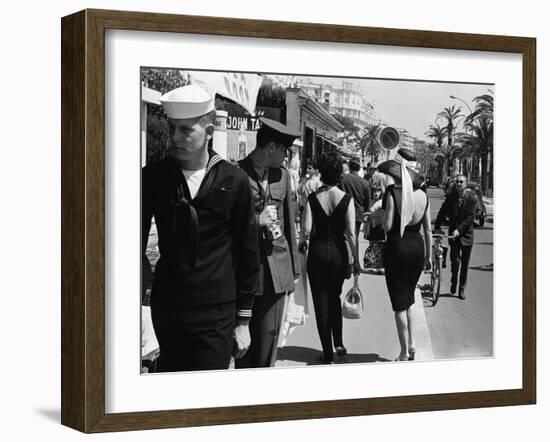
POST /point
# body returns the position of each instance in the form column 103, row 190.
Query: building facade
column 347, row 100
column 405, row 138
column 318, row 127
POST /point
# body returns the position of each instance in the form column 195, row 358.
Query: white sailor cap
column 189, row 101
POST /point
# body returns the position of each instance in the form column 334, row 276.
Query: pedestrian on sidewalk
column 459, row 209
column 373, row 230
column 279, row 260
column 375, row 178
column 207, row 274
column 309, row 184
column 294, row 174
column 330, row 214
column 374, row 233
column 359, row 189
column 406, row 210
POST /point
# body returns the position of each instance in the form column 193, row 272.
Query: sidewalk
column 372, row 338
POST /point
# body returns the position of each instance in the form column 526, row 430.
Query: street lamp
column 460, row 99
column 466, row 104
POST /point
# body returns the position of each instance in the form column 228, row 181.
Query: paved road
column 464, row 328
column 452, row 329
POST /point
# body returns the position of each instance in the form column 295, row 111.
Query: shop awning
column 150, row 96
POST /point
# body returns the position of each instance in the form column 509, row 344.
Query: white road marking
column 424, row 351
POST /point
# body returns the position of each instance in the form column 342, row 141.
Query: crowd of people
column 230, row 238
column 335, row 212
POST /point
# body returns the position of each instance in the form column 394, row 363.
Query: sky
column 414, row 105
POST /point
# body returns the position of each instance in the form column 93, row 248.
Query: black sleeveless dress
column 326, row 265
column 403, row 258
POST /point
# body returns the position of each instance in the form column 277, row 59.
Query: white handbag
column 352, row 305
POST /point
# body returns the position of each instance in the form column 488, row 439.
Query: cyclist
column 459, row 208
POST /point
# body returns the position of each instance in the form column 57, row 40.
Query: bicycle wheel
column 436, row 280
column 432, row 283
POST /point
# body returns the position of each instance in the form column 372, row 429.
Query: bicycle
column 437, row 263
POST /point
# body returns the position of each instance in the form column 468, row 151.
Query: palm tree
column 482, row 140
column 480, row 123
column 484, row 107
column 450, row 114
column 369, row 143
column 437, row 133
column 271, row 94
column 467, row 154
column 429, row 158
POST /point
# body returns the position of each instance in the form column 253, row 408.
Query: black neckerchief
column 185, row 221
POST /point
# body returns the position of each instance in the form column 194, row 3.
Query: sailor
column 207, row 274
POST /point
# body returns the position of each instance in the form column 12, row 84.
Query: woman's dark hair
column 330, row 168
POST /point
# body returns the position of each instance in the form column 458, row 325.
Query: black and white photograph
column 242, row 221
column 292, row 220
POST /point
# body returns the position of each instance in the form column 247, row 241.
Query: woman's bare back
column 420, row 200
column 329, row 199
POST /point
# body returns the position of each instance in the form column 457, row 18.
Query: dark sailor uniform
column 207, row 274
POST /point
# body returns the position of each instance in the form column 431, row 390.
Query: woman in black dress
column 329, row 215
column 406, row 210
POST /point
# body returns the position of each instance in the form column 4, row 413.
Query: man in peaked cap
column 207, row 274
column 279, row 260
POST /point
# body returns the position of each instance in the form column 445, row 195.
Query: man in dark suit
column 207, row 274
column 459, row 209
column 359, row 190
column 279, row 259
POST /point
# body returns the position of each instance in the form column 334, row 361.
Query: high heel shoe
column 324, row 360
column 341, row 351
column 402, row 358
column 412, row 354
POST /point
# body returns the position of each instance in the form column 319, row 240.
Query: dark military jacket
column 279, row 257
column 209, row 244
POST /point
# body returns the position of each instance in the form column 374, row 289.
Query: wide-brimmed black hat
column 393, row 169
column 407, row 154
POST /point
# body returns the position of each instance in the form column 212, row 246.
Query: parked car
column 481, row 211
column 435, row 181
